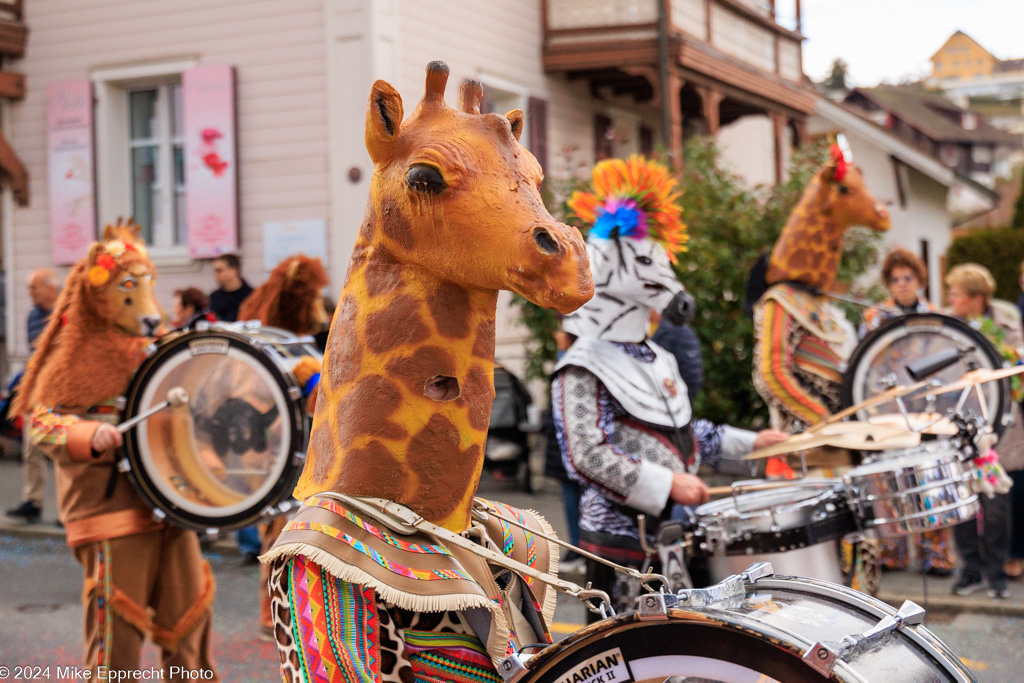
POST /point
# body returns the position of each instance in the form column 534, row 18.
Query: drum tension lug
column 821, row 658
column 512, row 668
column 758, row 570
column 159, row 515
column 654, row 606
column 123, row 466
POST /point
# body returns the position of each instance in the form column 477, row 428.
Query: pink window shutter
column 72, row 185
column 211, row 160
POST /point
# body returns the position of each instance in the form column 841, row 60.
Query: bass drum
column 760, row 636
column 887, row 350
column 233, row 454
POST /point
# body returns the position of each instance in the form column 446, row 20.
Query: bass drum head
column 899, row 341
column 235, row 450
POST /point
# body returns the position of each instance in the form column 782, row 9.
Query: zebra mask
column 635, row 236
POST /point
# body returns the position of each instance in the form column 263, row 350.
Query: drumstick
column 176, row 397
column 726, row 490
column 887, row 395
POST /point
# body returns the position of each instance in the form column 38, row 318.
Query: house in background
column 968, row 74
column 959, row 138
column 914, row 185
column 116, row 93
column 723, row 67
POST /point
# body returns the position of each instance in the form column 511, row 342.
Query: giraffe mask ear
column 515, row 117
column 383, row 119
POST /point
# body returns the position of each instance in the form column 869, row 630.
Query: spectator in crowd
column 682, row 342
column 190, row 305
column 983, row 552
column 1014, row 565
column 904, row 276
column 42, row 290
column 233, row 290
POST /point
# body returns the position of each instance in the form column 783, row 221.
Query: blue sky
column 893, row 39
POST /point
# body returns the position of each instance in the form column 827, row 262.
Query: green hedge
column 1001, row 250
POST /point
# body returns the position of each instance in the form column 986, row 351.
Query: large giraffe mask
column 810, row 245
column 454, row 215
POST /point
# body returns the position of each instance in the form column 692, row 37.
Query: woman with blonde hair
column 970, row 288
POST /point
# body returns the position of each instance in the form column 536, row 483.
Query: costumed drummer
column 621, row 410
column 799, row 336
column 142, row 577
column 381, row 575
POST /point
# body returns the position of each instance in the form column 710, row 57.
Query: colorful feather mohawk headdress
column 635, row 197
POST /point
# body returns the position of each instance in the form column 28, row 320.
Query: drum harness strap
column 403, row 520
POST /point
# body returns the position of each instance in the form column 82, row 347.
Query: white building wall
column 278, row 52
column 748, row 149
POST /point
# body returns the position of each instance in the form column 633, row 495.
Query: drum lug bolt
column 821, row 658
column 511, row 668
column 654, row 607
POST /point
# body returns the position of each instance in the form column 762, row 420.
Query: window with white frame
column 140, row 153
column 157, row 160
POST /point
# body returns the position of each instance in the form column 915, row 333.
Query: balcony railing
column 743, row 29
column 13, row 32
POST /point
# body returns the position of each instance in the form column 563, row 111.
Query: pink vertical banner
column 211, row 167
column 72, row 187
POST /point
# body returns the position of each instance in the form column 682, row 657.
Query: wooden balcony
column 727, row 57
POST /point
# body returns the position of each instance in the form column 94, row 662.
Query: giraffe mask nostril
column 545, row 242
column 441, row 388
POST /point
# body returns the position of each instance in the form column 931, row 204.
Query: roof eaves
column 847, row 117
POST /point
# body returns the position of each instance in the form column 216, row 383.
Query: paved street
column 40, row 617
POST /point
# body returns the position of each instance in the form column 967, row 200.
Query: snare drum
column 234, row 453
column 793, row 527
column 774, row 629
column 914, row 490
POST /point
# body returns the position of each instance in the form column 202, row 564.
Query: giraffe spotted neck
column 454, row 215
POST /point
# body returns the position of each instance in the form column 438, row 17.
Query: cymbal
column 864, row 437
column 937, row 424
column 976, row 377
column 888, row 395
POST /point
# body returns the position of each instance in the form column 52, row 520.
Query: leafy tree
column 1018, row 208
column 1001, row 250
column 837, row 78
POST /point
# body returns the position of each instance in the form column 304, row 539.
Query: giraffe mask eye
column 425, row 179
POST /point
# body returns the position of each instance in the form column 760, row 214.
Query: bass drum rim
column 767, row 637
column 917, row 319
column 297, row 435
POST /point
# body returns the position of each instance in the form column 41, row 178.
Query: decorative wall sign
column 281, row 240
column 211, row 176
column 72, row 186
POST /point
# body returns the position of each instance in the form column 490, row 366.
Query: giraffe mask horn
column 437, row 79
